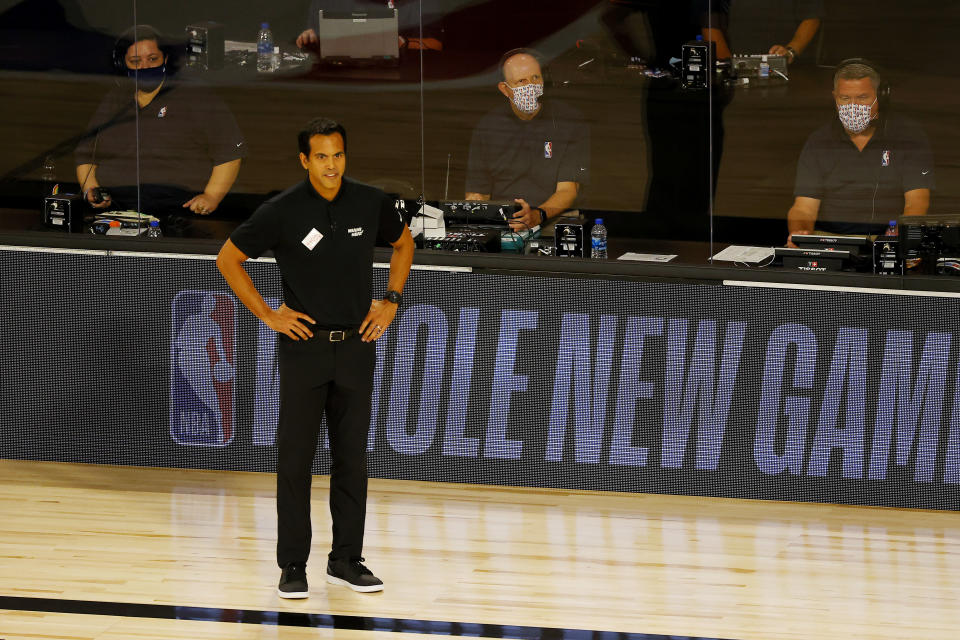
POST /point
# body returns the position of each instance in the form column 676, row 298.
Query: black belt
column 337, row 335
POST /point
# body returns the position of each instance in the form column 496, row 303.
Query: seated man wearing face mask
column 178, row 143
column 533, row 151
column 865, row 168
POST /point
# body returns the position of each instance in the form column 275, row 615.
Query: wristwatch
column 543, row 215
column 394, row 297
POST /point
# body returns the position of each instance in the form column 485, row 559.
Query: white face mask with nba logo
column 525, row 97
column 855, row 117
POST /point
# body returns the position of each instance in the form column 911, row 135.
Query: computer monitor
column 359, row 37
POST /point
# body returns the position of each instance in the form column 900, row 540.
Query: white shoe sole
column 293, row 595
column 374, row 587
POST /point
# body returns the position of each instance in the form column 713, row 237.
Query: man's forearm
column 559, row 202
column 242, row 285
column 222, row 178
column 805, row 32
column 799, row 220
column 87, row 176
column 916, row 202
column 716, row 36
column 400, row 262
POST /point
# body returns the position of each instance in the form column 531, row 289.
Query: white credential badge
column 311, row 239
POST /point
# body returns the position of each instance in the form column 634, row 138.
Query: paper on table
column 737, row 253
column 647, row 257
column 237, row 45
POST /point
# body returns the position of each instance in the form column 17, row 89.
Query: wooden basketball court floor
column 100, row 552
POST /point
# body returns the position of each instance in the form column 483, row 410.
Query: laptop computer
column 361, row 37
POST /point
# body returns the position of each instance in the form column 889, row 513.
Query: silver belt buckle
column 342, row 337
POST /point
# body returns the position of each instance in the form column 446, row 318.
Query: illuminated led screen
column 524, row 380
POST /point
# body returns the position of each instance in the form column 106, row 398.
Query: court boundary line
column 317, row 620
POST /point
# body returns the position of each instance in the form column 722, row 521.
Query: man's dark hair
column 855, row 69
column 320, row 127
column 138, row 33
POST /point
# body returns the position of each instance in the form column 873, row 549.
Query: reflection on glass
column 162, row 148
column 751, row 27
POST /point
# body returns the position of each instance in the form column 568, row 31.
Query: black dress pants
column 336, row 379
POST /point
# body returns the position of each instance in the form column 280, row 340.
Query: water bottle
column 598, row 240
column 265, row 54
column 153, row 231
column 764, row 67
column 48, row 174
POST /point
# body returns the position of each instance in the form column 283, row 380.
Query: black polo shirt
column 861, row 191
column 513, row 158
column 332, row 281
column 183, row 133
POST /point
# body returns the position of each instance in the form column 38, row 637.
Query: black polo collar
column 313, row 192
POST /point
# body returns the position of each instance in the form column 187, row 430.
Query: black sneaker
column 293, row 581
column 352, row 573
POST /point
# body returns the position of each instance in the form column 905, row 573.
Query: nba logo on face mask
column 202, row 368
column 548, row 149
column 885, row 158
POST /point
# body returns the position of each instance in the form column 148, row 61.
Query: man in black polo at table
column 166, row 149
column 533, row 151
column 864, row 169
column 322, row 233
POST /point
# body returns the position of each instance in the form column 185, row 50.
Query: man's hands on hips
column 381, row 314
column 203, row 204
column 289, row 322
column 525, row 219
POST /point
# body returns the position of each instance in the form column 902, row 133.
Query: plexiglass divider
column 688, row 127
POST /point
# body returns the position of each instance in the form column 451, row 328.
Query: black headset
column 134, row 34
column 883, row 89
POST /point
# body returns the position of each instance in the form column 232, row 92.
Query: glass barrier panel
column 245, row 88
column 57, row 66
column 837, row 125
column 578, row 110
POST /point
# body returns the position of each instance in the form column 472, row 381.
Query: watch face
column 394, row 297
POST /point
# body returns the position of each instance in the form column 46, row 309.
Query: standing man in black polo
column 865, row 168
column 322, row 233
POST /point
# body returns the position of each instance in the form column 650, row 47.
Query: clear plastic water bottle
column 764, row 67
column 153, row 231
column 48, row 174
column 598, row 240
column 265, row 54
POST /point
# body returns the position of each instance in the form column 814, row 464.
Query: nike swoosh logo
column 923, row 173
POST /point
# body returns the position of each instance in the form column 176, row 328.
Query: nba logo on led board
column 202, row 368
